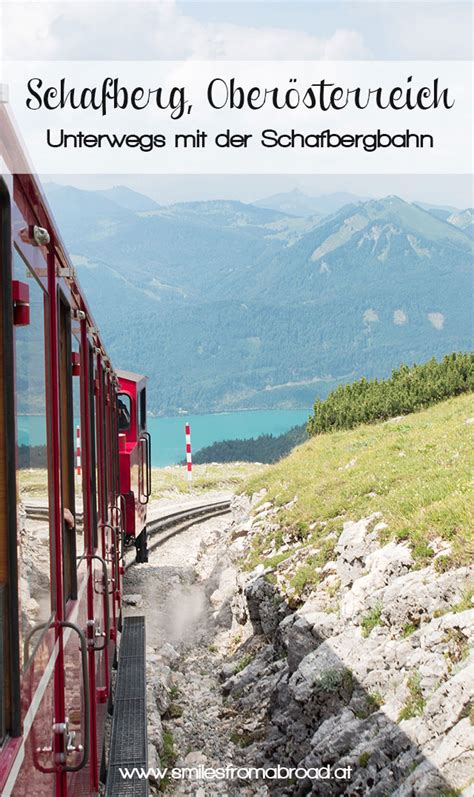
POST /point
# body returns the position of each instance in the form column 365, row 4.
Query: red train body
column 134, row 458
column 61, row 526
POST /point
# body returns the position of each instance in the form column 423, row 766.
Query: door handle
column 143, row 478
column 148, row 463
column 145, row 486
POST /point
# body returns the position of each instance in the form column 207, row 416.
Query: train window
column 93, row 459
column 142, row 411
column 76, row 400
column 33, row 534
column 67, row 449
column 124, row 407
column 101, row 445
column 110, row 438
column 9, row 665
column 105, row 452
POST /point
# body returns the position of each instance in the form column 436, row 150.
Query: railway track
column 165, row 527
column 41, row 512
column 160, row 529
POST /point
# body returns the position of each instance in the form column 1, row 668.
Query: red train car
column 61, row 525
column 135, row 459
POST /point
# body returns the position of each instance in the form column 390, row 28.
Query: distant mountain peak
column 224, row 299
column 129, row 199
column 297, row 203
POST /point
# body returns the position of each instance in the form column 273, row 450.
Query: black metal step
column 128, row 746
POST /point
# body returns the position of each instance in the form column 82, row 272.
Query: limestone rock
column 414, row 597
column 265, row 606
column 382, row 566
column 356, row 542
column 133, row 600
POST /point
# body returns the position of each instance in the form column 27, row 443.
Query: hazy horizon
column 441, row 190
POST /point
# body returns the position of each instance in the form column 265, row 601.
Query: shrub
column 408, row 389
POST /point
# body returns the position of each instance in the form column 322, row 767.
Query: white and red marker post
column 189, row 458
column 78, row 451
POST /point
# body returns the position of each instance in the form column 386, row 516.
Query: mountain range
column 227, row 305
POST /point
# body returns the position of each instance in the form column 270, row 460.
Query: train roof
column 14, row 161
column 131, row 376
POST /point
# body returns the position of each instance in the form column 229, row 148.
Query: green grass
column 408, row 630
column 167, row 758
column 33, row 483
column 218, row 476
column 467, row 600
column 371, row 620
column 364, row 759
column 225, row 476
column 305, row 576
column 243, row 663
column 333, row 680
column 373, row 702
column 415, row 702
column 416, row 471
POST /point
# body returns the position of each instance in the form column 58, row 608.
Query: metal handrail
column 26, row 644
column 87, row 702
column 147, row 435
column 105, row 575
column 142, row 493
column 86, row 693
column 114, row 558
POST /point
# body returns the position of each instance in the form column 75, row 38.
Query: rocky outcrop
column 372, row 672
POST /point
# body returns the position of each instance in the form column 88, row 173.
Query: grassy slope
column 220, row 476
column 416, row 471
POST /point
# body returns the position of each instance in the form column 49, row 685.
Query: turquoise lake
column 168, row 443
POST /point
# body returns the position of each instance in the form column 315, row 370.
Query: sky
column 230, row 30
column 226, row 29
column 449, row 190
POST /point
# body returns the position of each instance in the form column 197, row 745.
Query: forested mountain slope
column 228, row 305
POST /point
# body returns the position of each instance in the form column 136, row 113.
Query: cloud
column 440, row 31
column 147, row 31
column 371, row 316
column 437, row 319
column 399, row 317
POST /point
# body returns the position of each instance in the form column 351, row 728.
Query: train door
column 32, row 648
column 10, row 715
column 98, row 623
column 74, row 566
column 104, row 540
column 116, row 509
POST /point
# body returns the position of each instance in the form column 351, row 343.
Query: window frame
column 93, row 446
column 40, row 635
column 125, row 429
column 10, row 686
column 142, row 410
column 66, row 426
